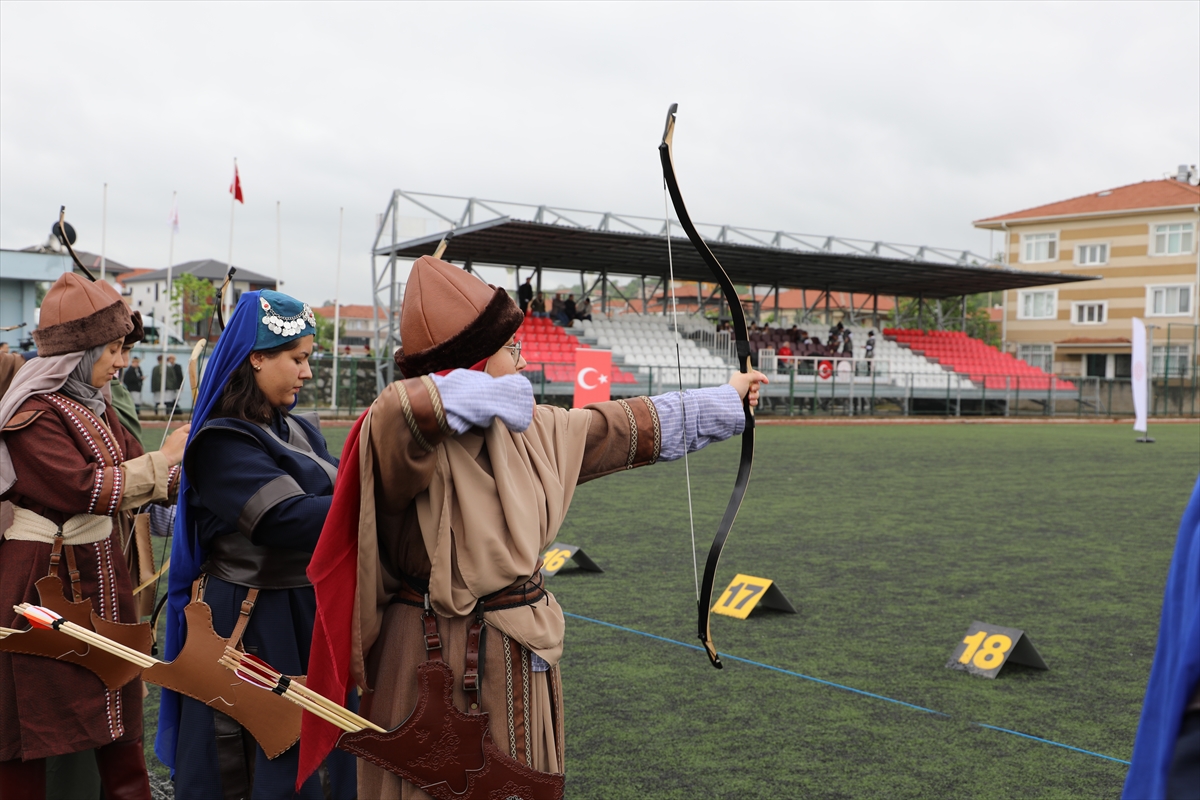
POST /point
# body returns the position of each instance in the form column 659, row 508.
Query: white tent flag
column 1139, row 375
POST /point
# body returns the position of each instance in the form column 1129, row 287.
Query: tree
column 324, row 338
column 192, row 299
column 979, row 323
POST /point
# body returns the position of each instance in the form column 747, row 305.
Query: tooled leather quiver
column 445, row 752
column 196, row 672
column 114, row 671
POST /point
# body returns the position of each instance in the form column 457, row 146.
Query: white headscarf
column 71, row 373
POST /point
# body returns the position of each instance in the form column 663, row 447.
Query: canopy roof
column 555, row 239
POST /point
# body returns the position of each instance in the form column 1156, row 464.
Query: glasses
column 515, row 350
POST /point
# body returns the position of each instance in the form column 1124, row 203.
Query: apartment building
column 1141, row 240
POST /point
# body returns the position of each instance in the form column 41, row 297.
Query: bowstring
column 687, row 470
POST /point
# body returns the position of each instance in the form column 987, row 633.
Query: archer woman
column 256, row 488
column 463, row 483
column 69, row 469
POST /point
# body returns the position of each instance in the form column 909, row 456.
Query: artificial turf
column 889, row 540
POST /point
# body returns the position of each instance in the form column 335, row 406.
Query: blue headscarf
column 262, row 320
column 1176, row 669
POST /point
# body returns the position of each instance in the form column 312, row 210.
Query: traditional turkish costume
column 253, row 502
column 70, row 470
column 451, row 487
column 1166, row 752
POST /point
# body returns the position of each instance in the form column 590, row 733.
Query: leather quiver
column 113, row 670
column 196, row 672
column 447, row 753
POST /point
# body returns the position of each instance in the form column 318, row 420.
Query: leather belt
column 235, row 559
column 522, row 593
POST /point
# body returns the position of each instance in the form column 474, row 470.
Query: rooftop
column 208, row 268
column 1168, row 193
column 500, row 233
column 349, row 312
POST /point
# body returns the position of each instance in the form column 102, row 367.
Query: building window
column 1040, row 247
column 1172, row 358
column 1037, row 305
column 1174, row 239
column 1089, row 313
column 1087, row 254
column 1037, row 355
column 1168, row 301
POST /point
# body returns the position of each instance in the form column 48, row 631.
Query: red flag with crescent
column 825, row 369
column 593, row 370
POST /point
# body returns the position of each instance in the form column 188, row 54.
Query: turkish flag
column 593, row 368
column 235, row 188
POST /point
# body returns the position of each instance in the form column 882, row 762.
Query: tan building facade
column 1142, row 242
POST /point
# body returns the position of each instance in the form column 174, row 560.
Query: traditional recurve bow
column 66, row 240
column 745, row 362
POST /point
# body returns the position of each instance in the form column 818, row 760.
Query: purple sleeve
column 711, row 415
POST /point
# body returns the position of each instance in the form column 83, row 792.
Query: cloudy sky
column 894, row 121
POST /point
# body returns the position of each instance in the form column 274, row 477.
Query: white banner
column 1140, row 370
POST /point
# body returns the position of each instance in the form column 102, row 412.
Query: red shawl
column 333, row 571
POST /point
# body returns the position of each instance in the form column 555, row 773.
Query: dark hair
column 241, row 398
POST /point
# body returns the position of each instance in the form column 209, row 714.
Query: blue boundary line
column 843, row 688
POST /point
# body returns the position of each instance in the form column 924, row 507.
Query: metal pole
column 163, row 331
column 232, row 206
column 337, row 310
column 278, row 248
column 104, row 233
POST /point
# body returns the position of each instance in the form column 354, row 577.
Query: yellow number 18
column 985, row 651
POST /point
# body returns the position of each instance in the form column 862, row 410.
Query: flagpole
column 232, row 206
column 278, row 249
column 337, row 308
column 164, row 333
column 103, row 232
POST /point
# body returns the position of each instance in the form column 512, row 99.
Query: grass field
column 889, row 540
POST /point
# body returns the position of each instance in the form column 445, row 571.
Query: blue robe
column 228, row 462
column 1176, row 670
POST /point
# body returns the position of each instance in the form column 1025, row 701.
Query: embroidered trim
column 76, row 413
column 406, row 406
column 633, row 434
column 286, row 326
column 657, row 429
column 439, row 412
column 512, row 729
column 525, row 680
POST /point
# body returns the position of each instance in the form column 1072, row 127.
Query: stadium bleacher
column 898, row 365
column 648, row 341
column 983, row 364
column 547, row 348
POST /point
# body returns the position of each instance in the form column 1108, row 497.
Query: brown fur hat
column 139, row 331
column 78, row 314
column 451, row 319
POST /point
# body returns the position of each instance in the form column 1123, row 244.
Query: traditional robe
column 471, row 514
column 50, row 707
column 247, row 483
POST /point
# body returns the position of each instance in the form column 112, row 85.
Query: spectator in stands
column 785, row 350
column 556, row 309
column 538, row 308
column 525, row 294
column 569, row 309
column 584, row 312
column 847, row 345
column 133, row 379
column 869, row 347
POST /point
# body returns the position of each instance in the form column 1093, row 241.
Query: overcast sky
column 894, row 121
